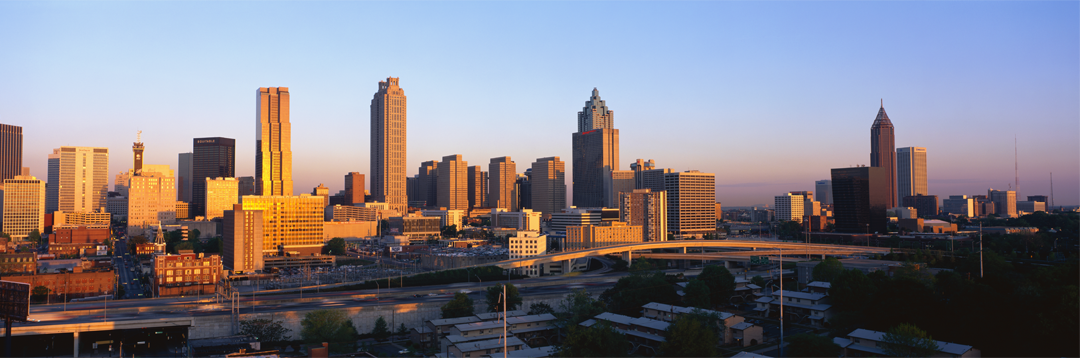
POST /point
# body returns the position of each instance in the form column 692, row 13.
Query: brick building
column 186, row 273
column 73, row 285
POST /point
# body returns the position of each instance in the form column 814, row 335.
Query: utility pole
column 980, row 250
column 780, row 348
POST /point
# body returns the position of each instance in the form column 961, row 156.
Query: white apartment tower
column 24, row 206
column 910, row 172
column 789, row 207
column 78, row 179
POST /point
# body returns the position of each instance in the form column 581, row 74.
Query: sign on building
column 14, row 300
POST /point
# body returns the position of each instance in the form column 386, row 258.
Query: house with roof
column 645, row 335
column 746, row 334
column 819, row 287
column 538, row 352
column 486, row 347
column 670, row 313
column 867, row 343
column 799, row 307
column 532, row 329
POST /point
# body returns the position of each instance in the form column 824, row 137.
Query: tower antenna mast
column 1016, row 167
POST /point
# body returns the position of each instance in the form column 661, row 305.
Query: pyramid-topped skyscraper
column 883, row 151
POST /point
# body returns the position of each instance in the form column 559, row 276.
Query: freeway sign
column 14, row 300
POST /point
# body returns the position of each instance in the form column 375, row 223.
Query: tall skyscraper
column 23, row 206
column 501, row 178
column 388, row 145
column 861, row 196
column 648, row 209
column 242, row 236
column 428, row 178
column 78, row 179
column 213, row 158
column 478, row 182
column 616, row 182
column 151, row 197
column 290, row 223
column 595, row 152
column 883, row 152
column 789, row 207
column 639, row 167
column 184, row 178
column 273, row 143
column 453, row 183
column 911, row 172
column 691, row 202
column 354, row 188
column 823, row 189
column 523, row 189
column 10, row 151
column 221, row 194
column 247, row 185
column 548, row 185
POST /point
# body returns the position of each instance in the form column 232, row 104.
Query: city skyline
column 961, row 104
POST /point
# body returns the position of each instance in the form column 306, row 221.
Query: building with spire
column 595, row 152
column 883, row 152
column 388, row 146
column 273, row 143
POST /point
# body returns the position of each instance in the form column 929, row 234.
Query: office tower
column 522, row 220
column 242, row 234
column 823, row 188
column 78, row 179
column 273, row 143
column 412, row 188
column 616, row 182
column 595, row 151
column 861, row 195
column 388, row 140
column 117, row 206
column 1004, row 202
column 811, row 207
column 24, row 206
column 213, row 158
column 653, row 179
column 478, row 182
column 247, row 185
column 1030, row 207
column 959, row 205
column 883, row 152
column 184, row 172
column 523, row 189
column 789, row 207
column 639, row 167
column 428, row 178
column 925, row 205
column 290, row 223
column 526, row 244
column 446, row 217
column 354, row 188
column 911, row 172
column 453, row 183
column 221, row 194
column 691, row 202
column 648, row 209
column 607, row 233
column 1040, row 198
column 182, row 210
column 548, row 185
column 501, row 177
column 10, row 151
column 120, row 185
column 323, row 192
column 152, row 197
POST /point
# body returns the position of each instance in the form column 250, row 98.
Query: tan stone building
column 79, row 218
column 548, row 185
column 186, row 273
column 24, row 206
column 323, row 192
column 242, row 237
column 151, row 197
column 478, row 183
column 354, row 188
column 183, row 210
column 273, row 158
column 350, row 213
column 453, row 182
column 691, row 201
column 525, row 244
column 608, row 233
column 502, row 173
column 221, row 195
column 388, row 150
column 84, row 174
column 290, row 223
column 525, row 219
column 647, row 209
column 789, row 207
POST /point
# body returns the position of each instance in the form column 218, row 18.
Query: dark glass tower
column 860, row 197
column 212, row 158
column 883, row 151
column 10, row 151
column 595, row 152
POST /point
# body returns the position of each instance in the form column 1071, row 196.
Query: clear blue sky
column 767, row 95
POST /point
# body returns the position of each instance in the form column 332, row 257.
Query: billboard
column 14, row 300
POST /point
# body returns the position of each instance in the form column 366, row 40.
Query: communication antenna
column 1016, row 168
column 138, row 137
column 1051, row 191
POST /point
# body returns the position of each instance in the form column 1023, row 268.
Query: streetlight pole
column 780, row 349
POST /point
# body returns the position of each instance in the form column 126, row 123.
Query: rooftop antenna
column 1016, row 167
column 138, row 137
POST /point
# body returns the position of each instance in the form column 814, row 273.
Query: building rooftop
column 545, row 351
column 454, row 321
column 820, row 284
column 682, row 309
column 489, row 344
column 456, row 339
column 499, row 314
column 945, row 347
column 742, row 326
column 743, row 354
column 651, row 323
column 801, row 295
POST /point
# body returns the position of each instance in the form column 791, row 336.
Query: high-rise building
column 639, row 167
column 184, row 171
column 120, row 185
column 388, row 125
column 501, row 177
column 247, row 185
column 10, row 151
column 860, row 195
column 78, row 179
column 523, row 189
column 354, row 188
column 883, row 152
column 548, row 185
column 151, row 197
column 925, row 205
column 323, row 192
column 823, row 189
column 213, row 158
column 652, row 179
column 789, row 207
column 615, row 183
column 24, row 206
column 221, row 194
column 290, row 223
column 595, row 152
column 607, row 233
column 691, row 202
column 1004, row 202
column 959, row 205
column 911, row 172
column 1040, row 198
column 648, row 209
column 412, row 188
column 273, row 143
column 428, row 182
column 522, row 220
column 242, row 235
column 526, row 244
column 453, row 183
column 478, row 182
column 182, row 210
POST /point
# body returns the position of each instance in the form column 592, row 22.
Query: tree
column 402, row 330
column 34, row 237
column 494, row 297
column 381, row 331
column 460, row 306
column 806, row 345
column 827, row 270
column 688, row 337
column 697, row 294
column 39, row 293
column 335, row 246
column 120, row 292
column 449, row 231
column 577, row 307
column 632, row 292
column 906, row 340
column 194, row 234
column 720, row 281
column 852, row 290
column 597, row 341
column 264, row 330
column 540, row 308
column 758, row 280
column 332, row 326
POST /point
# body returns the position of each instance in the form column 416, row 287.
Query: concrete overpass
column 754, row 247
